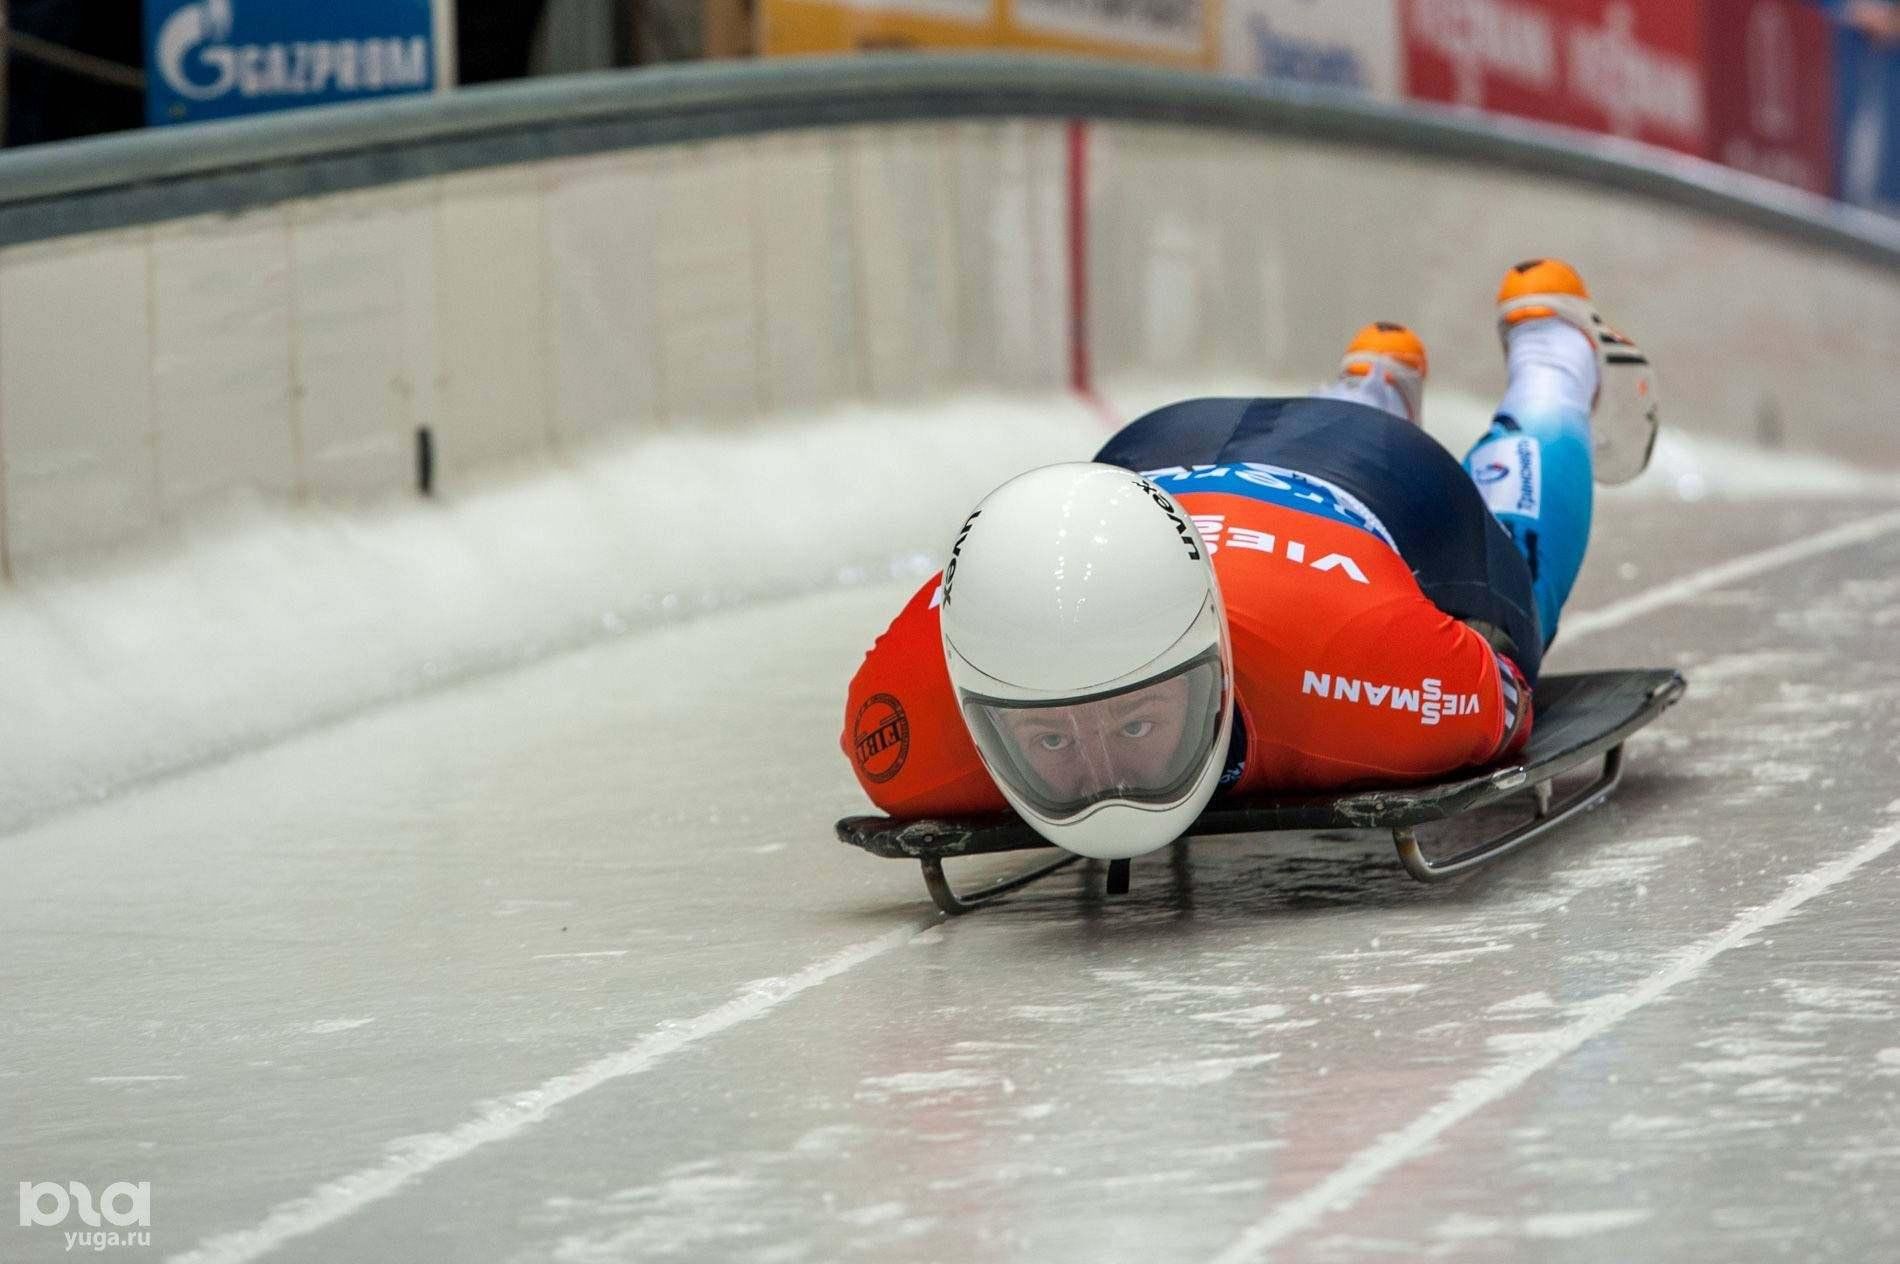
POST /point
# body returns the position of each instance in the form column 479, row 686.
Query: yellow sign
column 1163, row 32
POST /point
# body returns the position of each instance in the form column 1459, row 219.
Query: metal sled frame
column 1580, row 717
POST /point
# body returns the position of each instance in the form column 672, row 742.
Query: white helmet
column 1086, row 640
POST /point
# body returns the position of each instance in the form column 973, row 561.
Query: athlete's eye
column 1053, row 741
column 1138, row 729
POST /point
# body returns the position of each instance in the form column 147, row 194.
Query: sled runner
column 1579, row 718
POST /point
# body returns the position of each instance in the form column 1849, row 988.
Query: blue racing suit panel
column 1422, row 500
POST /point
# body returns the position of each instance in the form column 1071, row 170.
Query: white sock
column 1371, row 389
column 1552, row 366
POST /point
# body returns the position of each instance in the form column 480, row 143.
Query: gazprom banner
column 210, row 59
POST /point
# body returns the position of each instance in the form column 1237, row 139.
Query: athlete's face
column 1128, row 740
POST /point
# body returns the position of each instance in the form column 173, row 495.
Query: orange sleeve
column 1444, row 709
column 902, row 731
column 1347, row 675
column 1399, row 693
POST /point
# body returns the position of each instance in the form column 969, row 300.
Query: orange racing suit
column 1346, row 673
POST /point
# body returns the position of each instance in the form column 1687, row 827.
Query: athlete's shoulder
column 1373, row 687
column 1238, row 495
column 902, row 731
column 1272, row 557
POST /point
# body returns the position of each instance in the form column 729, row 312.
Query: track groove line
column 1617, row 613
column 1365, row 1169
column 415, row 1157
column 1359, row 1174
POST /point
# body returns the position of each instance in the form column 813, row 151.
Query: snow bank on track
column 238, row 629
column 232, row 631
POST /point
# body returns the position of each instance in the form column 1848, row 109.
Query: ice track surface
column 564, row 964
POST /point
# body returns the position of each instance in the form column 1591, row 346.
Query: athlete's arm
column 1515, row 689
column 903, row 734
column 1473, row 705
column 1518, row 708
column 1396, row 692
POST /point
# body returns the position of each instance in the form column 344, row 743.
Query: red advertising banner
column 1615, row 66
column 1771, row 91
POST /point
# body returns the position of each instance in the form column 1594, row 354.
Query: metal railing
column 49, row 53
column 71, row 60
column 134, row 178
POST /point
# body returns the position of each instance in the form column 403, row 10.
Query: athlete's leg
column 1372, row 390
column 1384, row 367
column 1533, row 465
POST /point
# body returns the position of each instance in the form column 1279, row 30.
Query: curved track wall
column 285, row 304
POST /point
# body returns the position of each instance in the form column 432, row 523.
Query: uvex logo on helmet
column 956, row 551
column 1167, row 507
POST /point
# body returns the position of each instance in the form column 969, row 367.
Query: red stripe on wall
column 1079, row 255
column 1081, row 371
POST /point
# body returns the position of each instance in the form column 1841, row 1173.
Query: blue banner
column 1867, row 102
column 210, row 59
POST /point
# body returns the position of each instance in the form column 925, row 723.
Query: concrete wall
column 297, row 349
column 295, row 345
column 1221, row 255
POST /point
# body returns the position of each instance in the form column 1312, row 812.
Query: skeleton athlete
column 1252, row 596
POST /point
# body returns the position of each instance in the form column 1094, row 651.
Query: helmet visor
column 1144, row 744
